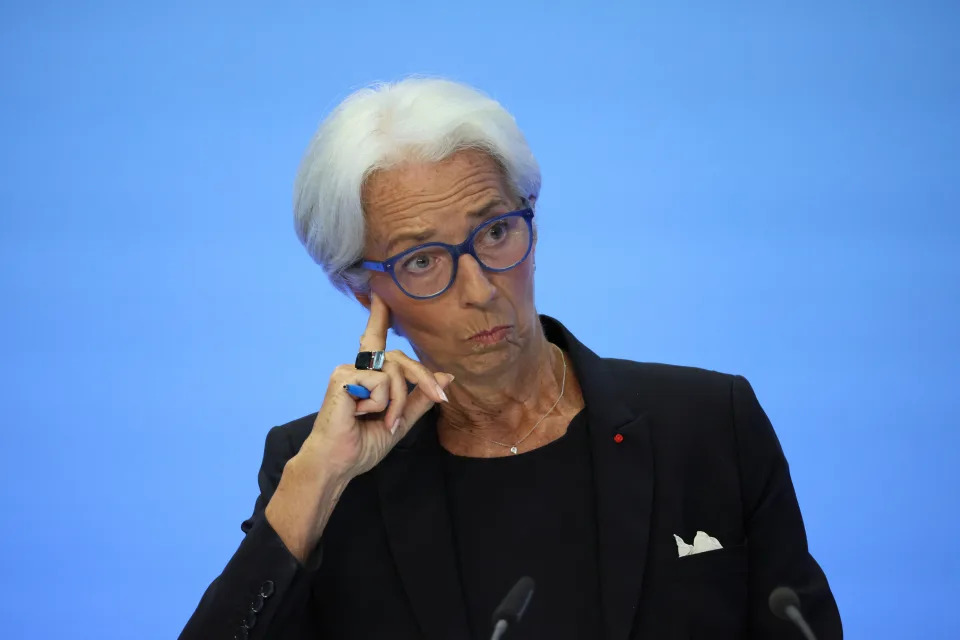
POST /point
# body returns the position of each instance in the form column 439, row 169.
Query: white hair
column 379, row 127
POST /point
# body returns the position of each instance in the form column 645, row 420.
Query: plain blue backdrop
column 767, row 188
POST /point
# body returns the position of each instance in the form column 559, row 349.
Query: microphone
column 785, row 604
column 511, row 609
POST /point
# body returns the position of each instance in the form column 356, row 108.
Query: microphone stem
column 794, row 614
column 499, row 629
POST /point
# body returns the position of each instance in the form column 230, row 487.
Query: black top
column 532, row 514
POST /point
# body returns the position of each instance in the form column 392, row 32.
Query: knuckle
column 397, row 405
column 390, row 368
column 422, row 368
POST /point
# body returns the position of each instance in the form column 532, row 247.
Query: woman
column 508, row 448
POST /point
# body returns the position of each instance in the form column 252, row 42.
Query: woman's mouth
column 491, row 336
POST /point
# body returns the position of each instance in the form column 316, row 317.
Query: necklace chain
column 513, row 447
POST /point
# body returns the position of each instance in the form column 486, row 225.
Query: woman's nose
column 475, row 287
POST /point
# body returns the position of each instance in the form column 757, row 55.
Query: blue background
column 764, row 188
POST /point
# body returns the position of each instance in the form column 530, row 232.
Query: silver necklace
column 513, row 447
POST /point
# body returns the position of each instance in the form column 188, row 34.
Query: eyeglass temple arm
column 375, row 266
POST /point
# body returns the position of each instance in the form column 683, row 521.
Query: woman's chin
column 491, row 360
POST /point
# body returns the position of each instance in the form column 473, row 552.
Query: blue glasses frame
column 465, row 248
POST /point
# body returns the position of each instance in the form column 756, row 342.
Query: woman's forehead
column 420, row 195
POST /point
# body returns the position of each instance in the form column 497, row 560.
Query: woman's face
column 444, row 201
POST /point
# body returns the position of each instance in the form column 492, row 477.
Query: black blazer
column 697, row 453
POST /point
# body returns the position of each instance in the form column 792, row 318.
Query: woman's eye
column 497, row 230
column 417, row 262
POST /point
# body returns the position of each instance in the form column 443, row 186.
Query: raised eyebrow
column 419, row 237
column 488, row 209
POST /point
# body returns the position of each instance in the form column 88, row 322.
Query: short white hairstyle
column 422, row 119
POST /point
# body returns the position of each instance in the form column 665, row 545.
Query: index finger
column 374, row 337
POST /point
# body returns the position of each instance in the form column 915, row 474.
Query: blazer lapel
column 623, row 477
column 414, row 506
column 623, row 473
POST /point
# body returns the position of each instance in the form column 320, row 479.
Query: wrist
column 316, row 464
column 302, row 503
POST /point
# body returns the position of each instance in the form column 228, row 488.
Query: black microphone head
column 513, row 606
column 780, row 599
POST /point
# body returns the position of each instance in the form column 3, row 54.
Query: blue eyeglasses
column 427, row 270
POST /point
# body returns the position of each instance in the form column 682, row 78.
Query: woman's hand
column 350, row 436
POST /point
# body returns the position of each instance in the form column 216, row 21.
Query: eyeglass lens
column 499, row 244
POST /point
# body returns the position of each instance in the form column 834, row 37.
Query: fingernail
column 442, row 395
column 396, row 425
column 361, row 413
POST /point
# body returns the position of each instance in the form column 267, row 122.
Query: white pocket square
column 701, row 542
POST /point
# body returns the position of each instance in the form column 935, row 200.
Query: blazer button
column 266, row 589
column 257, row 605
column 250, row 620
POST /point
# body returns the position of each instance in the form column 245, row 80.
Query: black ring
column 370, row 360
